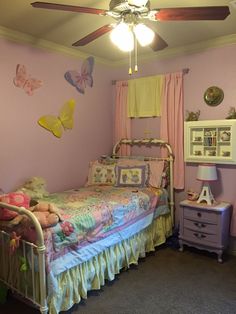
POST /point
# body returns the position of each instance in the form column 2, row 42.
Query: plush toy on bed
column 34, row 187
column 14, row 198
column 47, row 214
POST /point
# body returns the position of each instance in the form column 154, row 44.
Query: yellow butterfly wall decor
column 65, row 120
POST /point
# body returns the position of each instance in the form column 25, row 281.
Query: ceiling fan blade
column 65, row 7
column 94, row 35
column 158, row 43
column 192, row 13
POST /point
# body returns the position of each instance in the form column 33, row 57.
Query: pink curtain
column 122, row 122
column 172, row 122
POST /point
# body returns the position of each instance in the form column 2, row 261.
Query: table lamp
column 206, row 173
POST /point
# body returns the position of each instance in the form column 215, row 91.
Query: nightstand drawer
column 200, row 226
column 199, row 237
column 200, row 215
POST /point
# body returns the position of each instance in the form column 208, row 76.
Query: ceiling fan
column 135, row 12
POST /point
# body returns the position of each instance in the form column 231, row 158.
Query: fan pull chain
column 136, row 55
column 130, row 64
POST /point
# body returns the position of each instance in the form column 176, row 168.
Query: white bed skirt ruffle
column 91, row 275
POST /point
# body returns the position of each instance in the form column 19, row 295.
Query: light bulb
column 122, row 37
column 143, row 34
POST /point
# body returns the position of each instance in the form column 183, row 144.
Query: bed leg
column 42, row 279
column 43, row 310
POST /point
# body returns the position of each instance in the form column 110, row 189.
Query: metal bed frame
column 32, row 286
column 169, row 159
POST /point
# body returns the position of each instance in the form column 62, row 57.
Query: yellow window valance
column 144, row 96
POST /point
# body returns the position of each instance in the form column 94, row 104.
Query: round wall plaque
column 213, row 96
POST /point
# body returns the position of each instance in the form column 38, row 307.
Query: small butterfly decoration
column 83, row 79
column 64, row 121
column 24, row 81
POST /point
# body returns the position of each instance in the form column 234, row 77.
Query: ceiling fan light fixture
column 138, row 3
column 123, row 37
column 144, row 34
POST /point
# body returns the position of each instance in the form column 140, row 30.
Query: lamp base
column 206, row 195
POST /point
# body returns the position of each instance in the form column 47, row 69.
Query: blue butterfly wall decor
column 81, row 79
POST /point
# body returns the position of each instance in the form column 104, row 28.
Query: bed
column 103, row 228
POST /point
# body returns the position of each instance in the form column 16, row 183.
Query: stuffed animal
column 14, row 198
column 47, row 214
column 34, row 187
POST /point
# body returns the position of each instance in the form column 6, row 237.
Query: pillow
column 135, row 176
column 156, row 169
column 130, row 162
column 17, row 199
column 101, row 174
column 156, row 172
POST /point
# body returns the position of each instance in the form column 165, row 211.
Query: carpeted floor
column 165, row 282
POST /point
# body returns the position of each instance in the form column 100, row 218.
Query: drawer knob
column 199, row 214
column 199, row 225
column 199, row 235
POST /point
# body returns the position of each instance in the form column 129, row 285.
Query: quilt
column 93, row 213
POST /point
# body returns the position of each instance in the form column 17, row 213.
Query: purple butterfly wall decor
column 81, row 79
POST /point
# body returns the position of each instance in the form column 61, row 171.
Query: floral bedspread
column 93, row 213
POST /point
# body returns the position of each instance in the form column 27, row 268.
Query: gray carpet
column 165, row 282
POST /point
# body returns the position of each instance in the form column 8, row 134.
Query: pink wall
column 212, row 67
column 29, row 150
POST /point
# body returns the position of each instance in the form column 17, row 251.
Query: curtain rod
column 184, row 70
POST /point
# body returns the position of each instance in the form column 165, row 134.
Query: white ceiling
column 64, row 28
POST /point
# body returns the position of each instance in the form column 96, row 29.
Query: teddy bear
column 47, row 214
column 34, row 187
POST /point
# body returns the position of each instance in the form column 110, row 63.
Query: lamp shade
column 207, row 172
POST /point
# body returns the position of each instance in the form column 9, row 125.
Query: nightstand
column 204, row 226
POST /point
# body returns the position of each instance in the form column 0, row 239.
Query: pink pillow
column 156, row 171
column 130, row 162
column 15, row 198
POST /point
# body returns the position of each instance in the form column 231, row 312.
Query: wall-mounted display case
column 212, row 141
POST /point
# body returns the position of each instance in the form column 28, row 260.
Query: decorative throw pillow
column 130, row 162
column 155, row 168
column 101, row 174
column 135, row 176
column 15, row 198
column 156, row 172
